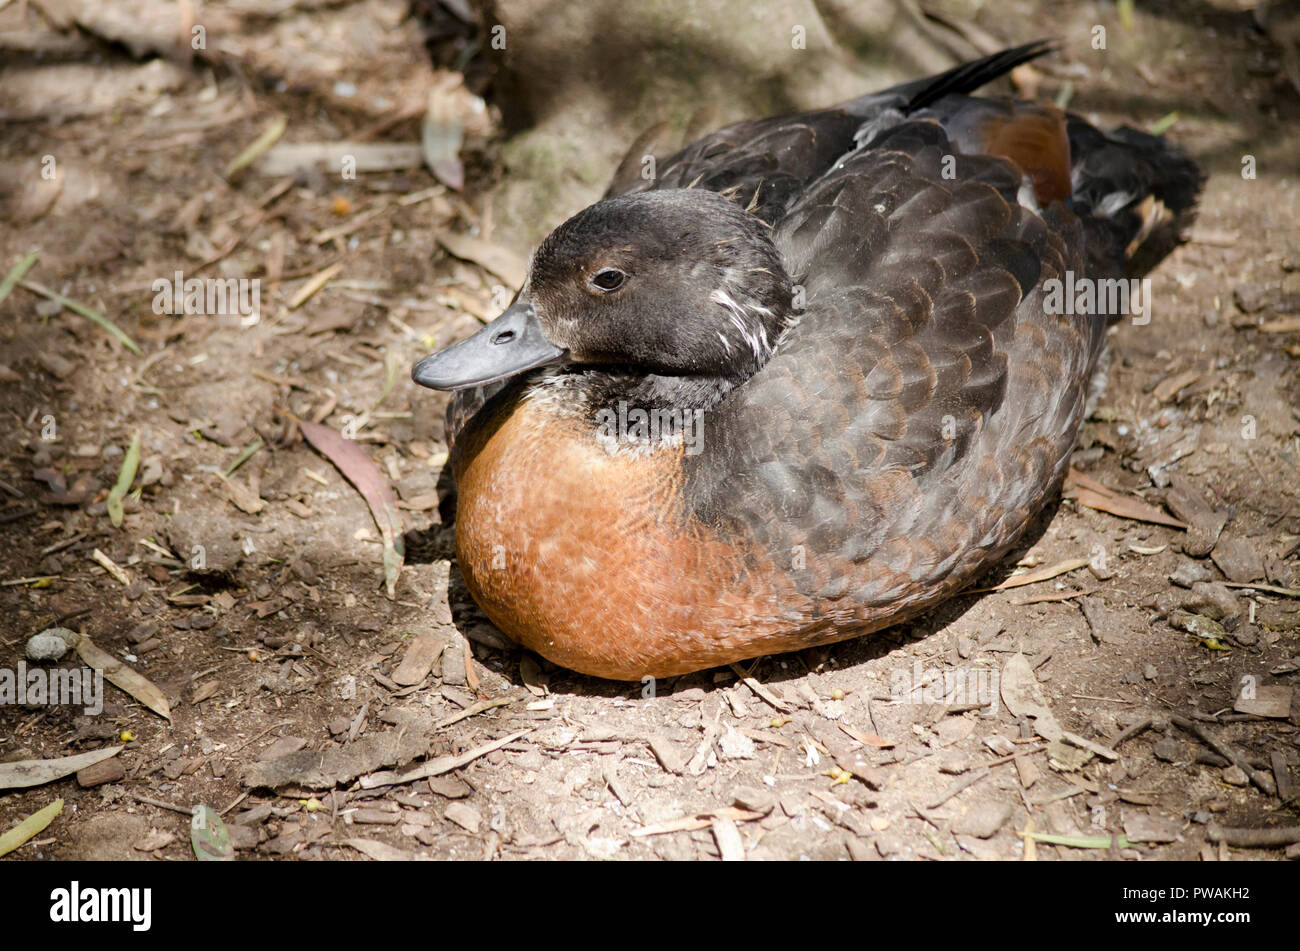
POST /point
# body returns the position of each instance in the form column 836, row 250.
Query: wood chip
column 1105, row 752
column 759, row 690
column 1168, row 388
column 1274, row 702
column 105, row 771
column 418, row 661
column 112, row 567
column 730, row 845
column 464, row 816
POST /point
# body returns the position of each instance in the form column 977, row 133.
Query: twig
column 241, row 798
column 438, row 766
column 1105, row 752
column 1262, row 780
column 955, row 788
column 59, row 546
column 759, row 690
column 1253, row 838
column 1270, row 588
column 112, row 567
column 140, row 797
column 473, row 710
column 1127, row 734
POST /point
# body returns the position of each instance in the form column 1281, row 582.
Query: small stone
column 1212, row 599
column 1250, row 298
column 464, row 816
column 1166, row 749
column 753, row 798
column 303, row 571
column 449, row 787
column 667, row 754
column 453, row 660
column 1238, row 559
column 735, row 745
column 889, row 844
column 952, row 730
column 242, row 837
column 51, row 644
column 283, row 746
column 984, row 820
column 1235, row 776
column 56, row 365
column 1189, row 572
column 952, row 762
column 142, row 632
column 1149, row 672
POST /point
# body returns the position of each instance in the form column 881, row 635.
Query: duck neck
column 637, row 413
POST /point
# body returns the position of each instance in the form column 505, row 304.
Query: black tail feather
column 968, row 77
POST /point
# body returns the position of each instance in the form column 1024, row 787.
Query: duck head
column 681, row 290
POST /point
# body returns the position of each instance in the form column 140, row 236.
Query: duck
column 809, row 382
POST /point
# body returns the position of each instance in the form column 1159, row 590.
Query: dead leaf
column 123, row 677
column 29, row 827
column 503, row 263
column 36, row 772
column 1121, row 506
column 357, row 467
column 442, row 133
column 1040, row 574
column 1023, row 695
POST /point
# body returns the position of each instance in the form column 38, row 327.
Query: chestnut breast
column 587, row 558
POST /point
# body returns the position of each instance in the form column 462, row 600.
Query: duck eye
column 608, row 279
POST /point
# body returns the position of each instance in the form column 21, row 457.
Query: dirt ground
column 256, row 602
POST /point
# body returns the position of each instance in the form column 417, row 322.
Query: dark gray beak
column 508, row 345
